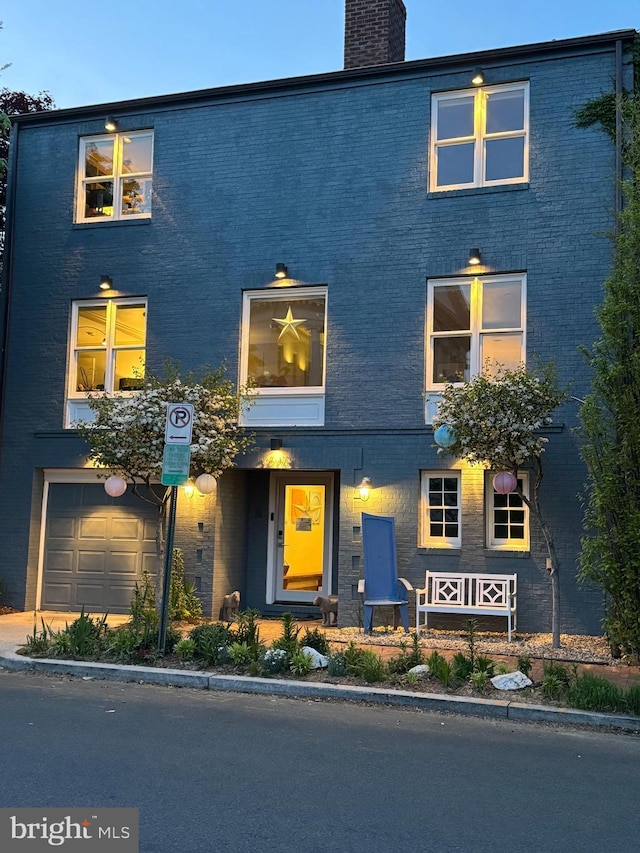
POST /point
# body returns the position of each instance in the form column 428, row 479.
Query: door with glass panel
column 302, row 523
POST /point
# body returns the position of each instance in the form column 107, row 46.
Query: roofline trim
column 355, row 74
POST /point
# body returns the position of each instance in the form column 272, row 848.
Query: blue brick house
column 349, row 242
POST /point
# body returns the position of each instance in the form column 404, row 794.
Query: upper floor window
column 283, row 356
column 107, row 346
column 479, row 137
column 474, row 324
column 115, row 176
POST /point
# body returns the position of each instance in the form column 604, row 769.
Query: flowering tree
column 495, row 420
column 127, row 435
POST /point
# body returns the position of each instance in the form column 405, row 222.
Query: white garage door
column 96, row 548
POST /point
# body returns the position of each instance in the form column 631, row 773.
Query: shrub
column 38, row 642
column 352, row 655
column 555, row 680
column 440, row 668
column 317, row 640
column 594, row 693
column 248, row 630
column 479, row 679
column 240, row 654
column 185, row 648
column 300, row 663
column 275, row 661
column 632, row 698
column 371, row 667
column 485, row 665
column 462, row 666
column 143, row 600
column 288, row 640
column 172, row 638
column 471, row 632
column 406, row 660
column 184, row 604
column 209, row 640
column 524, row 664
column 123, row 643
column 337, row 664
column 87, row 636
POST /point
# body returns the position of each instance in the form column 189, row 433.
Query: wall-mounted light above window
column 475, row 257
column 364, row 488
column 281, row 271
column 106, row 282
column 110, row 124
column 276, row 444
column 478, row 77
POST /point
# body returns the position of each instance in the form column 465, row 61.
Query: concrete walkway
column 15, row 627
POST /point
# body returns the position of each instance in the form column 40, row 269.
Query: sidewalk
column 15, row 627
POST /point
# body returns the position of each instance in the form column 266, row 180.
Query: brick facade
column 330, row 178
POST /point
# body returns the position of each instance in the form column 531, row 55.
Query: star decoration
column 86, row 822
column 289, row 325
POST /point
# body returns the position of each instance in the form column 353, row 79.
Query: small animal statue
column 230, row 605
column 328, row 608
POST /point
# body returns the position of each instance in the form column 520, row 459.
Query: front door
column 302, row 516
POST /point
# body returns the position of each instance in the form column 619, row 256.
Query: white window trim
column 479, row 137
column 425, row 540
column 303, row 406
column 475, row 332
column 505, row 544
column 77, row 407
column 116, row 177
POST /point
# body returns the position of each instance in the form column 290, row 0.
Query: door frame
column 277, row 481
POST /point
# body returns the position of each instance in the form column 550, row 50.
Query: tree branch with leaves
column 496, row 420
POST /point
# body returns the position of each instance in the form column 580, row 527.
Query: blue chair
column 381, row 585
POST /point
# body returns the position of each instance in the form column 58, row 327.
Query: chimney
column 373, row 32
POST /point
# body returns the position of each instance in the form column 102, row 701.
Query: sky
column 99, row 52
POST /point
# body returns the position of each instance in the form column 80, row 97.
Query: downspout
column 7, row 273
column 619, row 165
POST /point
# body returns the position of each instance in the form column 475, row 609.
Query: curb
column 470, row 706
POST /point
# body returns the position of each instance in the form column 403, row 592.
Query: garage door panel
column 91, row 562
column 58, row 594
column 62, row 528
column 124, row 563
column 95, row 549
column 125, row 529
column 59, row 561
column 93, row 527
column 90, row 595
column 149, row 529
column 119, row 597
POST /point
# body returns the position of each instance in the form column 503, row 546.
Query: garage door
column 96, row 548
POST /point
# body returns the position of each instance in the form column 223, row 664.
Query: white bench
column 473, row 594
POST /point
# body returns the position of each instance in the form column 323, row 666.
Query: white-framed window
column 480, row 137
column 507, row 516
column 283, row 356
column 440, row 509
column 106, row 350
column 115, row 177
column 474, row 324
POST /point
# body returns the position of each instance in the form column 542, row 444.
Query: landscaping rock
column 511, row 681
column 318, row 661
column 422, row 670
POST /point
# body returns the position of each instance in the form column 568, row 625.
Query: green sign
column 176, row 460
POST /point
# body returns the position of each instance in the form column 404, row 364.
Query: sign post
column 176, row 461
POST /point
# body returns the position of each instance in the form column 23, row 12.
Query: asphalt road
column 227, row 772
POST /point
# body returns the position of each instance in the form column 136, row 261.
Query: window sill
column 452, row 550
column 504, row 188
column 504, row 554
column 110, row 223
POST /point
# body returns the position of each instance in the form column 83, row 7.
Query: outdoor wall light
column 188, row 488
column 364, row 488
column 478, row 77
column 276, row 444
column 106, row 282
column 475, row 257
column 281, row 271
column 110, row 124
